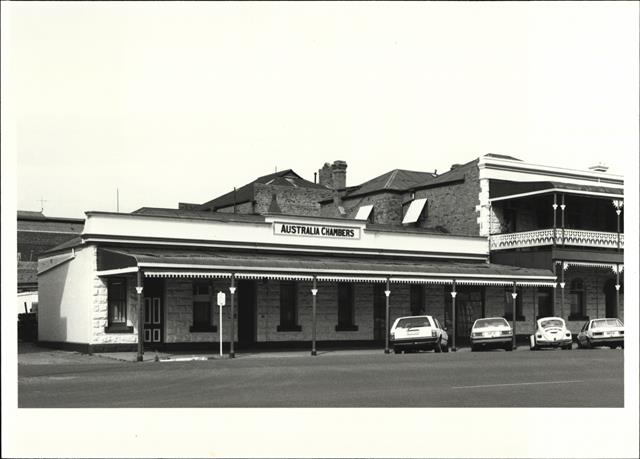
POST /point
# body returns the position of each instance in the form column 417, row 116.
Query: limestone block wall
column 179, row 312
column 100, row 317
column 387, row 207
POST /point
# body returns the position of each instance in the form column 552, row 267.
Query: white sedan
column 419, row 332
column 602, row 332
column 491, row 333
column 550, row 332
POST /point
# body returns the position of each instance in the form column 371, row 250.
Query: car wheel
column 579, row 344
column 568, row 347
column 533, row 347
column 508, row 348
column 474, row 348
column 613, row 346
column 438, row 347
column 396, row 351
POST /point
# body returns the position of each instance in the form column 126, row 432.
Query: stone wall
column 387, row 207
column 455, row 207
column 100, row 317
column 291, row 201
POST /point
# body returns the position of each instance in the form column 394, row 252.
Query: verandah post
column 314, row 292
column 139, row 289
column 387, row 292
column 514, row 295
column 453, row 314
column 232, row 334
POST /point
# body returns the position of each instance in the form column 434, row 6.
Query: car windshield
column 412, row 322
column 606, row 323
column 485, row 323
column 551, row 323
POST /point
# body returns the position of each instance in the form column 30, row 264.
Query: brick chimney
column 339, row 175
column 333, row 176
column 324, row 176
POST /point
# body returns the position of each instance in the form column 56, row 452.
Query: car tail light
column 476, row 334
column 538, row 336
column 567, row 334
column 597, row 333
column 506, row 332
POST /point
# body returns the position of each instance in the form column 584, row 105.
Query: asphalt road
column 552, row 378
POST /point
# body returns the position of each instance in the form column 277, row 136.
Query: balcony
column 543, row 237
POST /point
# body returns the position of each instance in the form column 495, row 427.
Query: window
column 414, row 212
column 416, row 299
column 117, row 306
column 288, row 307
column 576, row 299
column 346, row 309
column 202, row 301
column 508, row 305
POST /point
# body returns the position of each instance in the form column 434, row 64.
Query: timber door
column 153, row 311
column 246, row 313
column 545, row 303
column 379, row 311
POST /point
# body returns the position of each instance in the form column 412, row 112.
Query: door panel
column 153, row 311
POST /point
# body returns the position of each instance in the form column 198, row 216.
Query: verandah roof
column 157, row 262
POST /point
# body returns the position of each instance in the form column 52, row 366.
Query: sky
column 162, row 103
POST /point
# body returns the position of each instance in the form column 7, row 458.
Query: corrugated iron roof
column 503, row 188
column 395, row 180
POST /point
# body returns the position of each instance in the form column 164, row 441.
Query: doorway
column 379, row 312
column 611, row 308
column 545, row 303
column 246, row 313
column 153, row 311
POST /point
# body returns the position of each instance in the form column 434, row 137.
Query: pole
column 515, row 296
column 555, row 292
column 387, row 292
column 618, row 211
column 232, row 334
column 220, row 328
column 314, row 292
column 139, row 289
column 453, row 315
column 562, row 284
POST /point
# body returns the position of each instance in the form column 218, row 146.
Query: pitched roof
column 246, row 193
column 395, row 180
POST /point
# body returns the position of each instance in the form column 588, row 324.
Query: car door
column 443, row 334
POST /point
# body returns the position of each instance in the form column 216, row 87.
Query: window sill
column 341, row 328
column 118, row 328
column 570, row 318
column 289, row 328
column 203, row 329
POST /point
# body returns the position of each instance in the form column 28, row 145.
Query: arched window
column 577, row 300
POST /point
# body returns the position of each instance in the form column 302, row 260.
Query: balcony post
column 617, row 289
column 555, row 217
column 562, row 207
column 555, row 295
column 514, row 295
column 562, row 284
column 618, row 205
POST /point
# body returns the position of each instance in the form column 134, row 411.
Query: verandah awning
column 189, row 263
column 505, row 189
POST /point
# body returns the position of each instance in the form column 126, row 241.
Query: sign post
column 221, row 302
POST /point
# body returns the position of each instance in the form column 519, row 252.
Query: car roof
column 411, row 317
column 550, row 318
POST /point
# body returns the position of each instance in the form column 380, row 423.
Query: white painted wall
column 65, row 297
column 262, row 234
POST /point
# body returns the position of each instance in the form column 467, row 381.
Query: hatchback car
column 550, row 332
column 601, row 332
column 491, row 333
column 419, row 332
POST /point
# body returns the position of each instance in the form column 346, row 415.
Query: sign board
column 222, row 299
column 311, row 230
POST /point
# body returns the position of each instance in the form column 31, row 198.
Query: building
column 37, row 233
column 305, row 263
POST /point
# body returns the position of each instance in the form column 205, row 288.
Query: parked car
column 601, row 332
column 419, row 332
column 550, row 332
column 491, row 333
